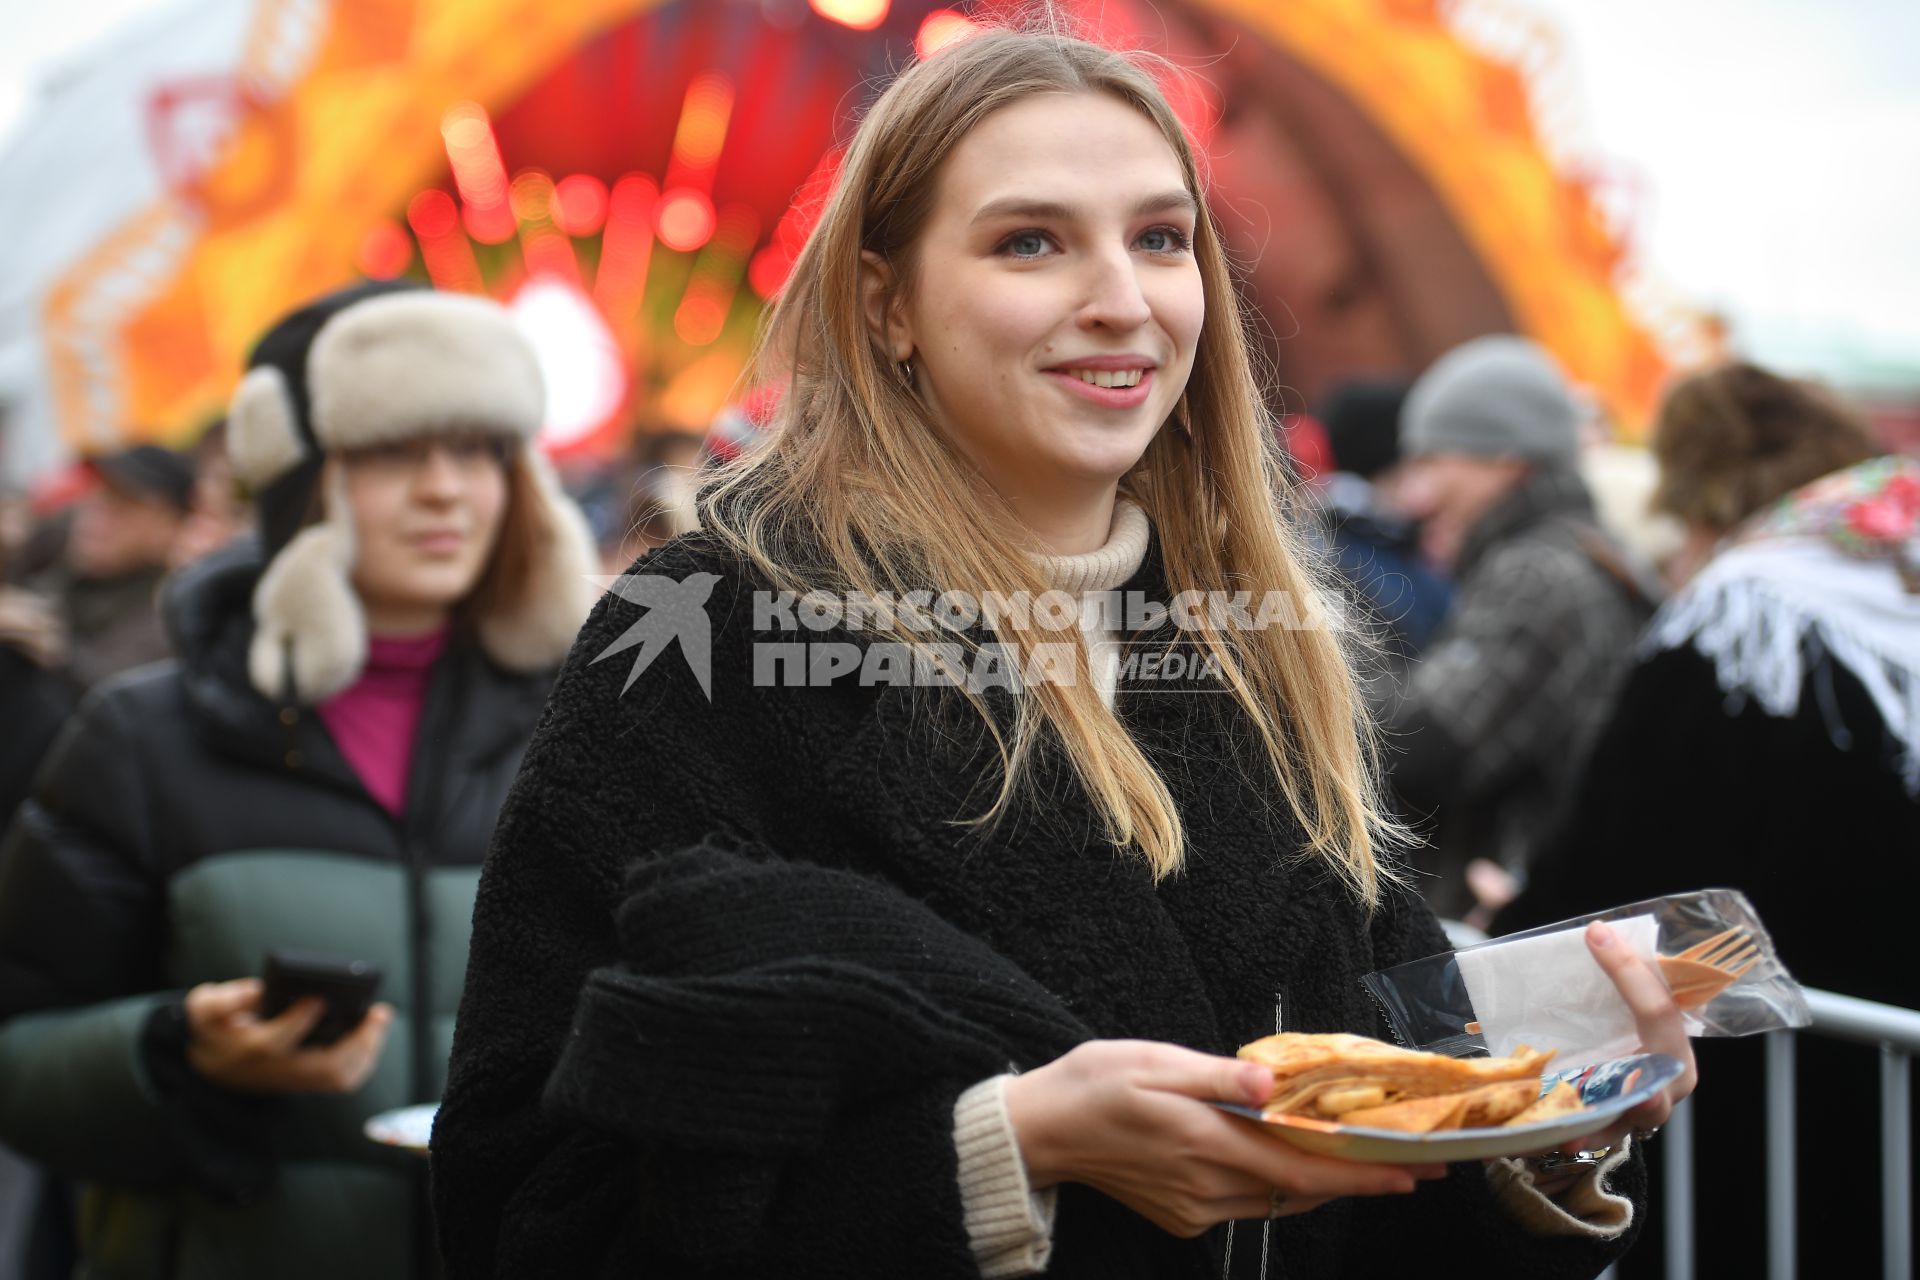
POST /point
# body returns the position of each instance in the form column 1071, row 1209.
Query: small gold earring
column 906, row 373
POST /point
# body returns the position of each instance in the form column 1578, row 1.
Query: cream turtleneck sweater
column 1010, row 1225
column 1103, row 570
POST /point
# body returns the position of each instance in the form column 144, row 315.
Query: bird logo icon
column 675, row 610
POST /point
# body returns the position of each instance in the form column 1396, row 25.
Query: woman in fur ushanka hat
column 343, row 404
column 320, row 770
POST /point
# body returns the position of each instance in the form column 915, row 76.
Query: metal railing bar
column 1849, row 1019
column 1676, row 1189
column 1896, row 1163
column 1896, row 1033
column 1780, row 1125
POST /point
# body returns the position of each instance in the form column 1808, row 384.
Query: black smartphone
column 348, row 987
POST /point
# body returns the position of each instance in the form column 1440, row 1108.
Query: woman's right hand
column 1130, row 1118
column 230, row 1044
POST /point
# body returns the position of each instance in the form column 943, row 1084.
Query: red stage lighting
column 703, row 310
column 549, row 254
column 431, row 214
column 686, row 220
column 769, row 271
column 580, row 204
column 473, row 153
column 446, row 252
column 941, row 28
column 700, row 317
column 490, row 224
column 627, row 246
column 861, row 15
column 701, row 131
column 385, row 251
column 531, row 195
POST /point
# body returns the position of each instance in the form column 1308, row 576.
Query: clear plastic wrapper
column 1543, row 988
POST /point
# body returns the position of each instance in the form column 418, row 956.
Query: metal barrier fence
column 1896, row 1032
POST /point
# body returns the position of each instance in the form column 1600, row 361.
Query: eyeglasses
column 469, row 452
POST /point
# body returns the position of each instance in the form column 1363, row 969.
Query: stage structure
column 634, row 179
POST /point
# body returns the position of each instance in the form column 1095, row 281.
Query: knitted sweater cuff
column 1009, row 1225
column 1585, row 1209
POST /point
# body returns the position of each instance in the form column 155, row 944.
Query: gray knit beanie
column 1494, row 397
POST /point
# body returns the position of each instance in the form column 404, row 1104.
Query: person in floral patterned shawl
column 1769, row 739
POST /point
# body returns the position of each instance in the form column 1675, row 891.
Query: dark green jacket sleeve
column 74, row 1096
column 93, row 1080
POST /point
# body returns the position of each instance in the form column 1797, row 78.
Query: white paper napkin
column 1549, row 992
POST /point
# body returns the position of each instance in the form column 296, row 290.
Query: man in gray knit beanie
column 1484, row 417
column 1494, row 397
column 1496, row 719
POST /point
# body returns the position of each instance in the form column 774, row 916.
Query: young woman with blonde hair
column 897, row 921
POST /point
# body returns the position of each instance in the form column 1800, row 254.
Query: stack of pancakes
column 1353, row 1080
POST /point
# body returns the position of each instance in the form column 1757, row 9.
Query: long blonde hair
column 858, row 474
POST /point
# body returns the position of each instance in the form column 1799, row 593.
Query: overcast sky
column 1777, row 143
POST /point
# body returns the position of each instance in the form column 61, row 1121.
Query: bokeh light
column 444, row 248
column 861, row 15
column 490, row 224
column 532, row 195
column 767, row 273
column 941, row 28
column 432, row 214
column 385, row 250
column 686, row 220
column 580, row 204
column 627, row 247
column 585, row 374
column 699, row 319
column 702, row 131
column 474, row 154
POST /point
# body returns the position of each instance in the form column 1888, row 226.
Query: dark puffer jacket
column 545, row 1170
column 181, row 827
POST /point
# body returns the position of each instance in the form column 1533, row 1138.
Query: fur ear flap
column 310, row 632
column 263, row 438
column 536, row 631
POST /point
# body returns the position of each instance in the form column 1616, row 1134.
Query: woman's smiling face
column 1055, row 302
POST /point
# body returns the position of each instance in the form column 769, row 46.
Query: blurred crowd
column 1697, row 669
column 1604, row 673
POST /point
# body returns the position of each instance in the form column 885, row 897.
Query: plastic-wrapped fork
column 1701, row 972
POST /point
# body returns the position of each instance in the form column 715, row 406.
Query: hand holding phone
column 346, row 988
column 231, row 1044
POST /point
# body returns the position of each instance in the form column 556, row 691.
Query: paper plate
column 407, row 1128
column 1608, row 1088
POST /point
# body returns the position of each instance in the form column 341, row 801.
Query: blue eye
column 1164, row 240
column 1025, row 244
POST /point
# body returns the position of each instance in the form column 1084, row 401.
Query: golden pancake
column 1563, row 1099
column 1495, row 1104
column 1416, row 1115
column 1367, row 1083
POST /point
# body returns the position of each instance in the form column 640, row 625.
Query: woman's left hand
column 1661, row 1031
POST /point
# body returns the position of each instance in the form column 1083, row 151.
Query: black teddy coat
column 871, row 780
